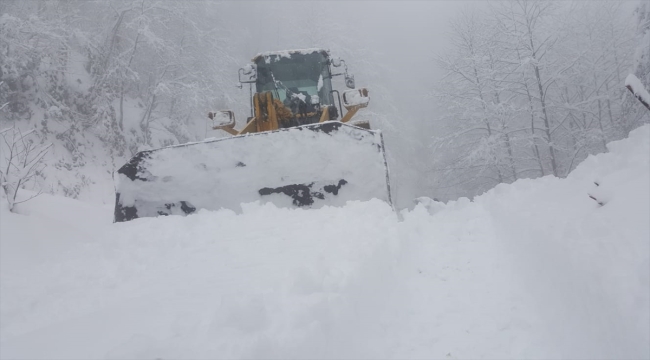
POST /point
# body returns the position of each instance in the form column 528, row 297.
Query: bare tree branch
column 23, row 162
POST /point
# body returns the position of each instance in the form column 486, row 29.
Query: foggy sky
column 407, row 35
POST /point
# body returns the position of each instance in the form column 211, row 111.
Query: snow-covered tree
column 21, row 159
column 531, row 88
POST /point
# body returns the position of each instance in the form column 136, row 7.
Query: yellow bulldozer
column 297, row 149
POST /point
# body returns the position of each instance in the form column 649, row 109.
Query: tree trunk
column 547, row 125
column 600, row 117
column 532, row 123
column 486, row 120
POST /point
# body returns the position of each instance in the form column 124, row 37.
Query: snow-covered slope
column 533, row 269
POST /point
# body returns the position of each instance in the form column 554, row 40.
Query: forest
column 507, row 90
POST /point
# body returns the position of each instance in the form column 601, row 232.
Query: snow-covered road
column 534, row 269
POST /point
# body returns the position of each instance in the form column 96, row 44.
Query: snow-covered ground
column 535, row 269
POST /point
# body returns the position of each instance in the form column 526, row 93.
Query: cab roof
column 289, row 53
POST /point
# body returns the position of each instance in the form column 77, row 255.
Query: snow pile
column 554, row 274
column 209, row 285
column 533, row 269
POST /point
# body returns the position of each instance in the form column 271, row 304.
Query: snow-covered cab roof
column 289, row 53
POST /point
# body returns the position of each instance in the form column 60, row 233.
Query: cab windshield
column 303, row 75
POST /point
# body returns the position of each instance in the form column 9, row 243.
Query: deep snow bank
column 536, row 268
column 209, row 285
column 532, row 269
column 587, row 266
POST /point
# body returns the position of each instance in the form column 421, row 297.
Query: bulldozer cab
column 293, row 88
column 296, row 76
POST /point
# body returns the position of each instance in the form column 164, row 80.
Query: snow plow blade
column 308, row 166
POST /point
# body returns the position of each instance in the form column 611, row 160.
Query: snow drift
column 535, row 269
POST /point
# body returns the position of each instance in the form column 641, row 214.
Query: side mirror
column 356, row 98
column 224, row 119
column 349, row 80
column 336, row 62
column 248, row 74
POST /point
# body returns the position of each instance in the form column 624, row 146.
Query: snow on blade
column 309, row 166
